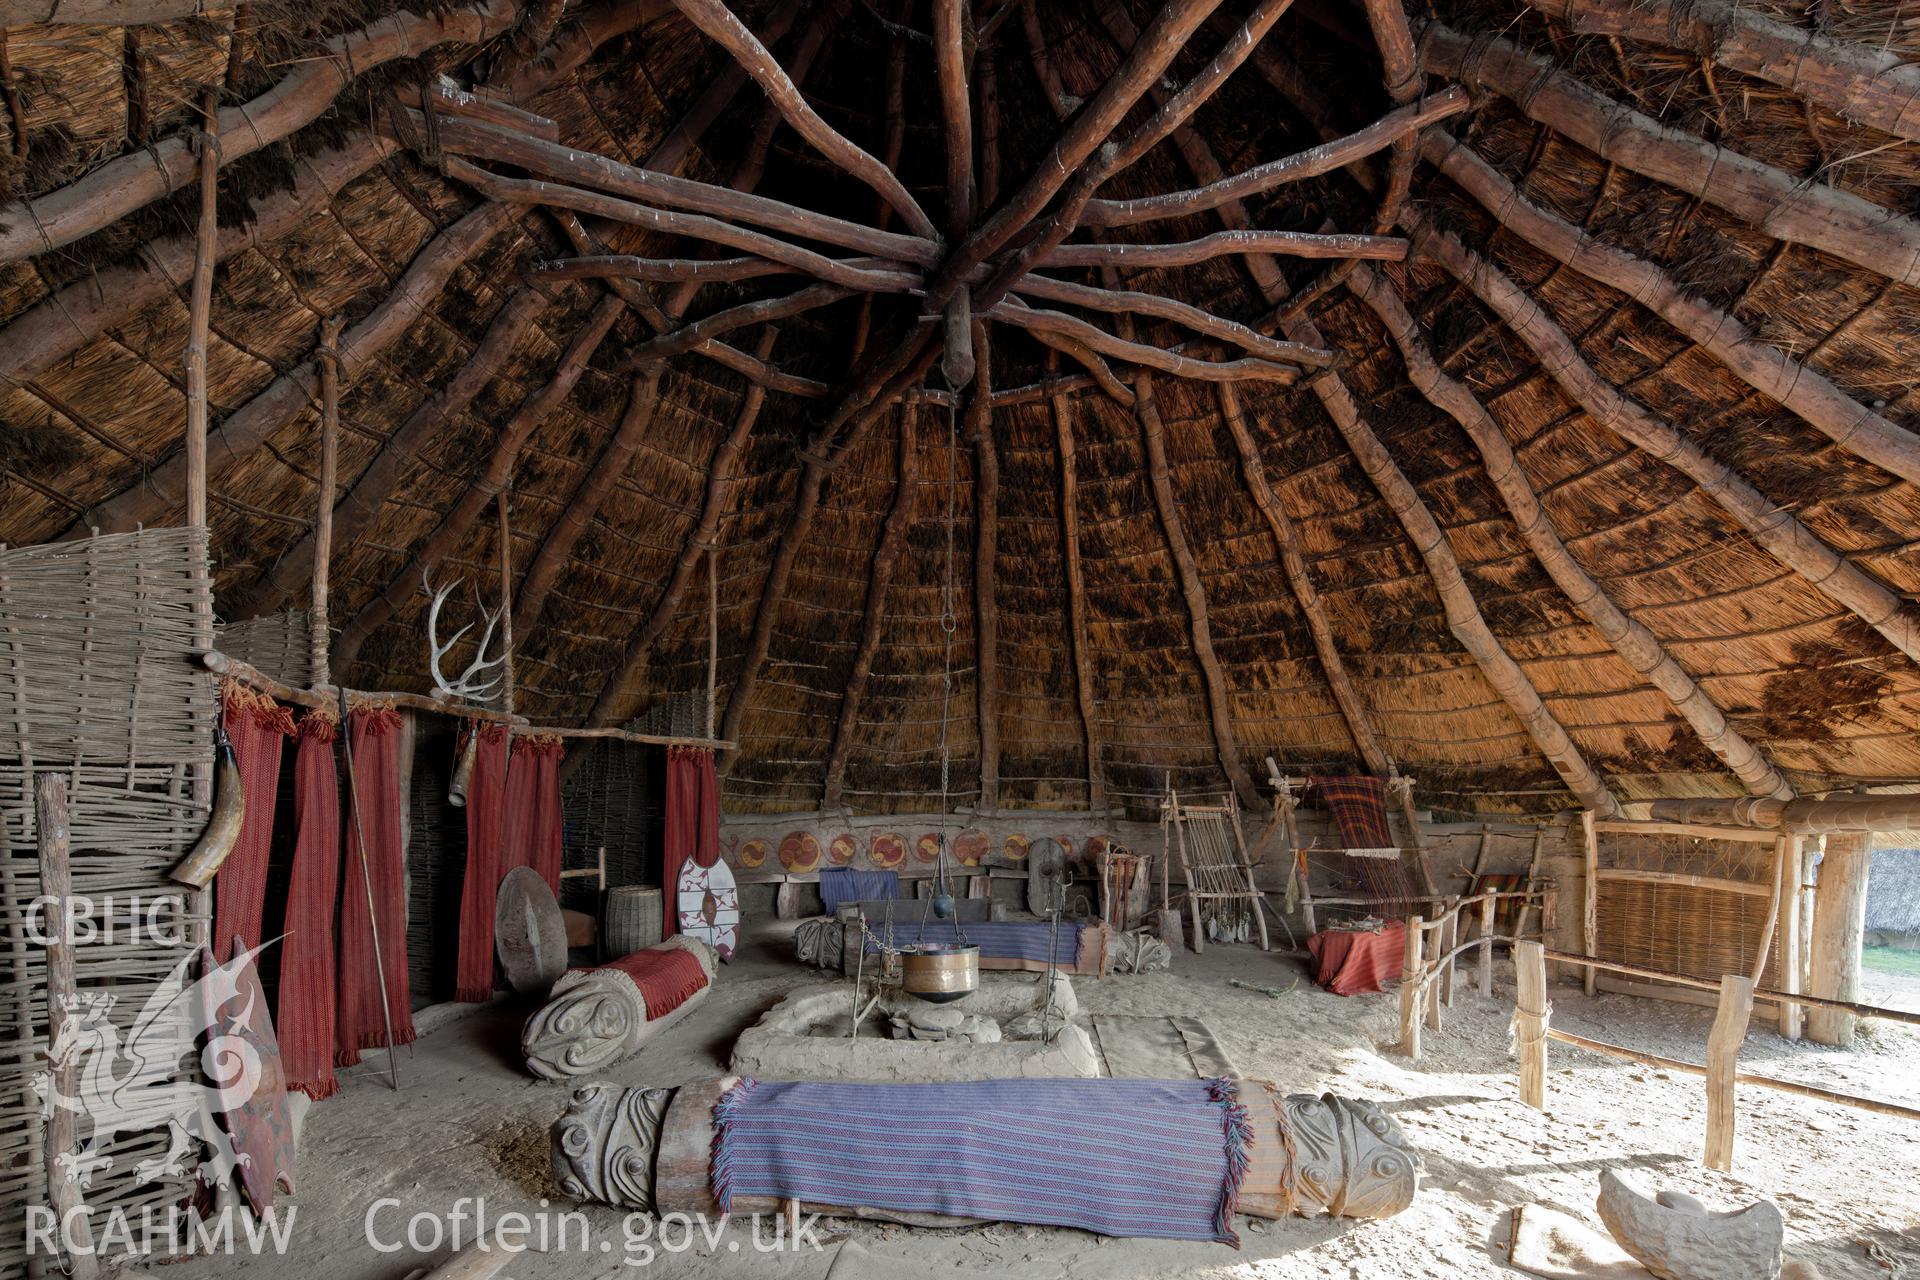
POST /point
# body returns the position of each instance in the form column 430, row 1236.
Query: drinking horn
column 223, row 830
column 463, row 771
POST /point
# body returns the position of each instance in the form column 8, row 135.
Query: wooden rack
column 1426, row 974
column 327, row 698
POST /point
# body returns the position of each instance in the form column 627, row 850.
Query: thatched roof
column 1893, row 891
column 1780, row 613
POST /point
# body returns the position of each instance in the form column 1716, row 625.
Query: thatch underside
column 1823, row 695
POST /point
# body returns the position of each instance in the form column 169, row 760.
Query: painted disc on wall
column 708, row 906
column 888, row 850
column 753, row 853
column 1088, row 863
column 971, row 846
column 800, row 852
column 842, row 848
column 1016, row 847
column 927, row 847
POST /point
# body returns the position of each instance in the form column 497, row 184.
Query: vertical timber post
column 1723, row 1054
column 1590, row 899
column 1530, row 1015
column 713, row 637
column 1487, row 905
column 318, row 640
column 54, row 831
column 1410, row 991
column 1839, row 928
column 1792, row 956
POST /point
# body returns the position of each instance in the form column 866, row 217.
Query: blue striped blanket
column 1121, row 1157
column 997, row 939
column 844, row 884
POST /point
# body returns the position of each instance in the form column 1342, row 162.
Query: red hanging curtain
column 375, row 737
column 306, row 1013
column 693, row 820
column 534, row 829
column 486, row 833
column 257, row 726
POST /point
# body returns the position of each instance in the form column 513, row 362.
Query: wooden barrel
column 631, row 920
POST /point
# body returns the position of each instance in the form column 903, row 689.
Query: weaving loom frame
column 1205, row 861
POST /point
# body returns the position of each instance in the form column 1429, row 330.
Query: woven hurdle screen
column 98, row 681
column 1700, row 931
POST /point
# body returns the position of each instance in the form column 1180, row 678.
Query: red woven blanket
column 1351, row 962
column 1359, row 808
column 667, row 977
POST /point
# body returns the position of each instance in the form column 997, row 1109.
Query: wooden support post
column 1410, row 992
column 1076, row 593
column 56, row 885
column 1723, row 1055
column 1839, row 928
column 1787, row 974
column 1431, row 983
column 786, row 900
column 1783, row 847
column 329, row 359
column 1530, row 1015
column 1448, row 943
column 1487, row 906
column 1590, row 901
column 506, row 605
column 206, row 249
column 713, row 636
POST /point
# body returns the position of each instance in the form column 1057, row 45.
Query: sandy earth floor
column 469, row 1122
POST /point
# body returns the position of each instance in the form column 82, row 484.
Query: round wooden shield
column 529, row 933
column 707, row 906
column 800, row 852
column 927, row 847
column 1015, row 848
column 753, row 853
column 1088, row 863
column 887, row 851
column 842, row 848
column 1046, row 877
column 971, row 847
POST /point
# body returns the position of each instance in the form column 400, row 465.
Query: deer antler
column 467, row 685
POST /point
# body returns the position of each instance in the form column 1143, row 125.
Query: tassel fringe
column 725, row 1113
column 1225, row 1093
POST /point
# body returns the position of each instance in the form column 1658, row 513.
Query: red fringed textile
column 693, row 820
column 667, row 977
column 306, row 1014
column 480, row 885
column 1350, row 962
column 1359, row 808
column 376, row 760
column 534, row 833
column 257, row 726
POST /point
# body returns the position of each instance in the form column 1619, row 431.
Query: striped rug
column 1120, row 1157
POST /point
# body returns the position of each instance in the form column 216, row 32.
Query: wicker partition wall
column 1705, row 929
column 98, row 680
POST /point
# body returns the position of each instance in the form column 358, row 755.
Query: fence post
column 1723, row 1053
column 1410, row 992
column 1530, row 1015
column 1487, row 905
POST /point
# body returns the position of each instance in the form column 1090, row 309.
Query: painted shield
column 800, row 852
column 708, row 906
column 842, row 848
column 927, row 847
column 1015, row 848
column 971, row 846
column 753, row 853
column 888, row 850
column 256, row 1117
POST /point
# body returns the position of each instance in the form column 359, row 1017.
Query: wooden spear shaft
column 506, row 606
column 55, row 832
column 366, row 881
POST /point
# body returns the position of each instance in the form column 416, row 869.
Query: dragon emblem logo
column 133, row 1081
